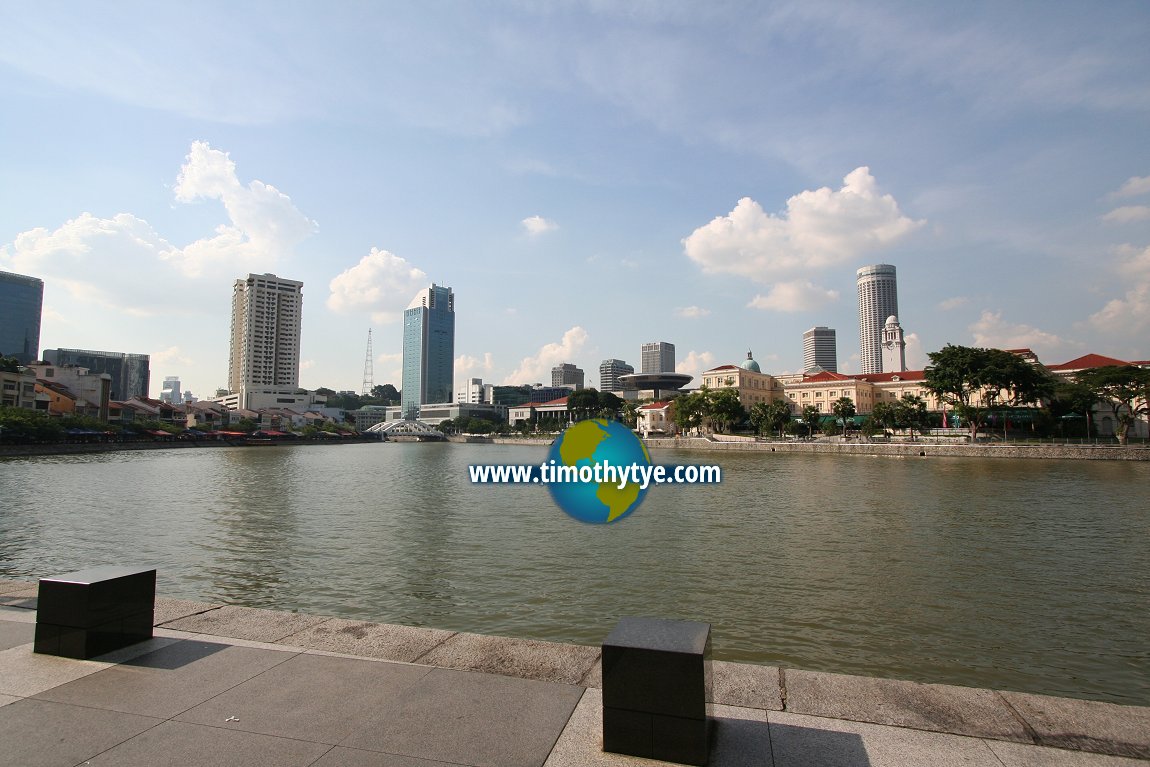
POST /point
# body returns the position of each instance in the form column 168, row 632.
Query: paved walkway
column 224, row 685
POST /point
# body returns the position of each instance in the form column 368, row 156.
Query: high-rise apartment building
column 567, row 375
column 266, row 315
column 131, row 373
column 658, row 357
column 428, row 350
column 21, row 304
column 878, row 299
column 820, row 349
column 609, row 372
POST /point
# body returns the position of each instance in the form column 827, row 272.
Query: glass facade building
column 21, row 304
column 658, row 357
column 131, row 373
column 428, row 350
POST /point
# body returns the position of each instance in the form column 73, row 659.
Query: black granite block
column 679, row 740
column 627, row 732
column 91, row 612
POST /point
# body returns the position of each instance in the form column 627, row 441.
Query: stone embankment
column 81, row 448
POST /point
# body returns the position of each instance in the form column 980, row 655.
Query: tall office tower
column 172, row 391
column 878, row 299
column 658, row 357
column 820, row 349
column 428, row 349
column 893, row 347
column 131, row 373
column 609, row 372
column 21, row 303
column 567, row 375
column 266, row 316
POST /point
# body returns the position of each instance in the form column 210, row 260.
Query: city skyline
column 586, row 177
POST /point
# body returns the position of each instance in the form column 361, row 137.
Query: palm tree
column 843, row 409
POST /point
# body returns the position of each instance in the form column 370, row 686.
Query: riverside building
column 21, row 304
column 428, row 350
column 878, row 300
column 267, row 313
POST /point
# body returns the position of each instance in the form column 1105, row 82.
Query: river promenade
column 225, row 685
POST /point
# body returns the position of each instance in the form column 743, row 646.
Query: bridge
column 406, row 431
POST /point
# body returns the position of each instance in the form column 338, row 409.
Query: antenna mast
column 368, row 375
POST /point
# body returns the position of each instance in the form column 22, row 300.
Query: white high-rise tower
column 266, row 316
column 878, row 299
column 893, row 347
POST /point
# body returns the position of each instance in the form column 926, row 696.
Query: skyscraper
column 21, row 303
column 567, row 375
column 131, row 373
column 266, row 316
column 878, row 299
column 428, row 349
column 658, row 357
column 820, row 349
column 609, row 372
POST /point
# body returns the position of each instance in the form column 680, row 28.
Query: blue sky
column 586, row 176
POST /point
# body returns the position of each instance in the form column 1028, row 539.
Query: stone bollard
column 91, row 612
column 656, row 684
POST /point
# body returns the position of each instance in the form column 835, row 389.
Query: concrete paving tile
column 741, row 739
column 37, row 733
column 524, row 658
column 810, row 741
column 354, row 757
column 17, row 614
column 173, row 609
column 167, row 681
column 13, row 634
column 469, row 718
column 746, row 685
column 24, row 596
column 314, row 697
column 934, row 707
column 177, row 744
column 246, row 623
column 1019, row 755
column 594, row 676
column 25, row 673
column 7, row 585
column 373, row 640
column 1085, row 725
column 6, row 699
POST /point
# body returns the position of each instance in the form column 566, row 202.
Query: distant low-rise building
column 91, row 392
column 18, row 388
column 753, row 385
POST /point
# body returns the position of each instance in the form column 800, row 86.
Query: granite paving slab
column 17, row 614
column 741, row 739
column 177, row 744
column 934, row 707
column 9, row 585
column 25, row 597
column 746, row 685
column 39, row 733
column 594, row 675
column 24, row 673
column 1018, row 755
column 246, row 623
column 354, row 757
column 371, row 640
column 14, row 634
column 1086, row 725
column 811, row 741
column 168, row 681
column 524, row 658
column 172, row 609
column 474, row 719
column 6, row 699
column 315, row 697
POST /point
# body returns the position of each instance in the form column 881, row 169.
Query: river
column 1012, row 574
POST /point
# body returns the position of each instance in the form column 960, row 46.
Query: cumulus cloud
column 467, row 366
column 388, row 368
column 1127, row 214
column 537, row 225
column 820, row 228
column 915, row 357
column 695, row 363
column 692, row 312
column 538, row 367
column 381, row 283
column 950, row 304
column 171, row 356
column 1134, row 186
column 796, row 296
column 1129, row 315
column 993, row 332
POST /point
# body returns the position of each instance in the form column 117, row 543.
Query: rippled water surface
column 1014, row 574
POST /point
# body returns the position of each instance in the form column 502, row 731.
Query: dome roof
column 750, row 364
column 892, row 320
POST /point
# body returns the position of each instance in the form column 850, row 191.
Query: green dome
column 750, row 364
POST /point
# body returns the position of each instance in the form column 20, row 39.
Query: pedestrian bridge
column 406, row 431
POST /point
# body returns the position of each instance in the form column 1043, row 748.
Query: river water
column 1012, row 574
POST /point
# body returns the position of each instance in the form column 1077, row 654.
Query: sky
column 585, row 176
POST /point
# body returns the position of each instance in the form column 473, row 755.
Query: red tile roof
column 905, row 375
column 560, row 401
column 721, row 367
column 1088, row 361
column 826, row 375
column 654, row 406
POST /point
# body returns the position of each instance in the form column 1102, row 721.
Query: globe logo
column 598, row 442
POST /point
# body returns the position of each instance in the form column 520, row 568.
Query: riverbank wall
column 82, row 448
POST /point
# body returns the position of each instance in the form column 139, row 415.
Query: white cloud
column 953, row 303
column 1128, row 316
column 993, row 332
column 467, row 366
column 537, row 369
column 1134, row 186
column 915, row 357
column 388, row 368
column 796, row 296
column 695, row 363
column 382, row 283
column 692, row 312
column 264, row 227
column 819, row 229
column 1127, row 214
column 306, row 364
column 171, row 357
column 537, row 225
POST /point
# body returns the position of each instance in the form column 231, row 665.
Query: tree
column 386, row 394
column 609, row 405
column 910, row 414
column 630, row 414
column 687, row 410
column 1071, row 400
column 760, row 418
column 723, row 409
column 9, row 365
column 811, row 417
column 1125, row 388
column 884, row 415
column 769, row 416
column 843, row 409
column 582, row 403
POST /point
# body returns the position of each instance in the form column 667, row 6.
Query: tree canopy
column 1125, row 388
